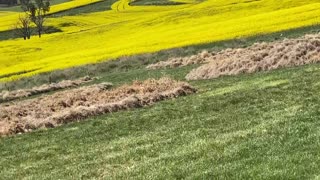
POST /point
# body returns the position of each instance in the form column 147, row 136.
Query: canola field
column 128, row 30
column 9, row 18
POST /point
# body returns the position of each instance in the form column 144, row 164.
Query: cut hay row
column 6, row 96
column 260, row 57
column 182, row 61
column 77, row 104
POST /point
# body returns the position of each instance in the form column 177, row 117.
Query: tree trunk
column 29, row 34
column 39, row 32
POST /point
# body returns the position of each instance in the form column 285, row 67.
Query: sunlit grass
column 257, row 126
column 129, row 30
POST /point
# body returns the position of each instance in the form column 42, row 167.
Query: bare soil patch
column 76, row 104
column 6, row 96
column 260, row 57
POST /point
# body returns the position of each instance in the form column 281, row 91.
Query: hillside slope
column 261, row 126
column 129, row 30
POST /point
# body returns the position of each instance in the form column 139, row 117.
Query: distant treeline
column 10, row 2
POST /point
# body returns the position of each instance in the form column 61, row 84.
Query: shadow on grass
column 90, row 8
column 155, row 3
column 10, row 34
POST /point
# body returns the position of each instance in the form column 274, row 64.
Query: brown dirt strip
column 77, row 104
column 6, row 96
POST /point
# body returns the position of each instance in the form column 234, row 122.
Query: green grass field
column 261, row 126
column 252, row 126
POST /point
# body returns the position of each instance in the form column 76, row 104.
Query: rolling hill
column 128, row 30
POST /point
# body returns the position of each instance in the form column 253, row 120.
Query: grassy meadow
column 127, row 30
column 250, row 126
column 261, row 126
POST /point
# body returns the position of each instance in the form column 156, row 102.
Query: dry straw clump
column 6, row 96
column 200, row 58
column 76, row 104
column 260, row 57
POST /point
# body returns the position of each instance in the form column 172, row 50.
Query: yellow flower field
column 128, row 30
column 9, row 18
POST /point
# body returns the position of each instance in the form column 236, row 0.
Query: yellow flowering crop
column 128, row 30
column 9, row 18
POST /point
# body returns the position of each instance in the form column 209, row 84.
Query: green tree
column 36, row 11
column 22, row 27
